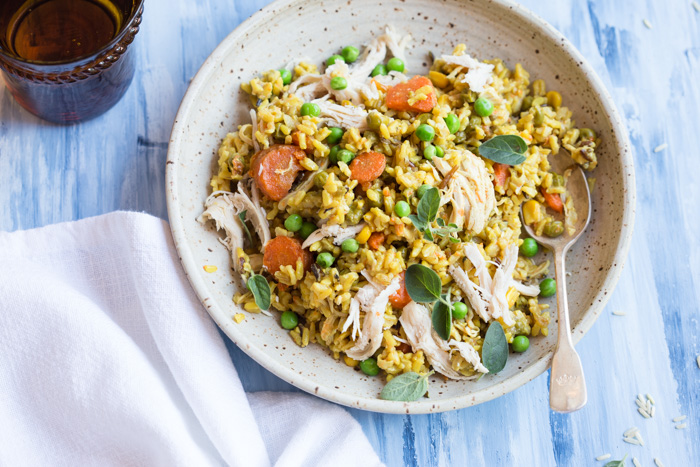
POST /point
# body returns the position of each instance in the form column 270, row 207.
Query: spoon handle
column 567, row 386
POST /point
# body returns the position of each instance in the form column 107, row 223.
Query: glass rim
column 18, row 61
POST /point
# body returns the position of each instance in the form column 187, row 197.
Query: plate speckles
column 214, row 97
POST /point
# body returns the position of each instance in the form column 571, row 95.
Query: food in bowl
column 378, row 211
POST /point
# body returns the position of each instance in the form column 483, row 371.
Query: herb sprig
column 407, row 387
column 260, row 289
column 426, row 214
column 424, row 285
column 620, row 463
column 494, row 352
column 504, row 149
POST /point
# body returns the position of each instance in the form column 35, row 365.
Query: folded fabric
column 108, row 358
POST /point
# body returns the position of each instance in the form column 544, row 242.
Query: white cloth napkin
column 107, row 358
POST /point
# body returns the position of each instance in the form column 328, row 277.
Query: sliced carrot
column 397, row 97
column 500, row 174
column 375, row 240
column 285, row 251
column 275, row 168
column 400, row 298
column 367, row 167
column 553, row 200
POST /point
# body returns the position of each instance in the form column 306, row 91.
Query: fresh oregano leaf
column 422, row 284
column 428, row 205
column 440, row 221
column 418, row 223
column 260, row 289
column 241, row 216
column 620, row 463
column 428, row 233
column 494, row 352
column 505, row 149
column 406, row 387
column 442, row 320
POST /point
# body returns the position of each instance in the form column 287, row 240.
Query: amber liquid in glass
column 56, row 51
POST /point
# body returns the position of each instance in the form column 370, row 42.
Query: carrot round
column 553, row 200
column 400, row 298
column 500, row 174
column 284, row 251
column 375, row 240
column 397, row 97
column 367, row 167
column 275, row 168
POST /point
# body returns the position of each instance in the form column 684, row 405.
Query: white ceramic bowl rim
column 427, row 405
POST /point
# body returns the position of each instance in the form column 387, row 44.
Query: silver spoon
column 567, row 386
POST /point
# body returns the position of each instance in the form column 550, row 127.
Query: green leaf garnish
column 504, row 149
column 426, row 213
column 494, row 352
column 428, row 205
column 260, row 289
column 442, row 320
column 418, row 222
column 241, row 216
column 422, row 284
column 406, row 387
column 620, row 463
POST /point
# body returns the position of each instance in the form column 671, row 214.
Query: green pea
column 402, row 209
column 527, row 103
column 320, row 179
column 439, row 152
column 421, row 190
column 548, row 287
column 554, row 229
column 379, row 70
column 374, row 120
column 587, row 133
column 293, row 223
column 395, row 64
column 289, row 320
column 333, row 155
column 429, row 151
column 459, row 310
column 325, row 259
column 346, row 156
column 307, row 228
column 529, row 247
column 350, row 245
column 309, row 108
column 452, row 123
column 520, row 343
column 333, row 59
column 350, row 54
column 425, row 132
column 539, row 118
column 369, row 367
column 335, row 136
column 483, row 107
column 339, row 83
column 286, row 76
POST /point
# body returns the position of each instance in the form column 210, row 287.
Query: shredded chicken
column 417, row 325
column 373, row 301
column 470, row 191
column 527, row 290
column 489, row 298
column 224, row 207
column 338, row 233
column 344, row 116
column 357, row 76
column 470, row 354
column 478, row 74
column 254, row 121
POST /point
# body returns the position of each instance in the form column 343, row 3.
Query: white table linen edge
column 108, row 358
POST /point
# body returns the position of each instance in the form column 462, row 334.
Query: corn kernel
column 210, row 268
column 438, row 79
column 532, row 212
column 238, row 317
column 350, row 361
column 363, row 236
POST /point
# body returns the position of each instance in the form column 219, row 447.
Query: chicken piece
column 373, row 301
column 469, row 189
column 417, row 325
column 478, row 74
column 344, row 116
column 339, row 234
column 470, row 354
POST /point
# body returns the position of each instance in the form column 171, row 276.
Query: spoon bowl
column 567, row 385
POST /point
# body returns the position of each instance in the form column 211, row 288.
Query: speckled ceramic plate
column 288, row 29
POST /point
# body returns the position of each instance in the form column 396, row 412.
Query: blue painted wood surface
column 50, row 174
